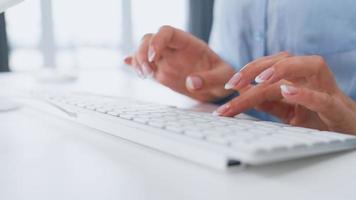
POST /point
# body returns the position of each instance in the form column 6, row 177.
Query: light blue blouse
column 244, row 30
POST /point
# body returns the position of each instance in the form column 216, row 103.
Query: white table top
column 43, row 157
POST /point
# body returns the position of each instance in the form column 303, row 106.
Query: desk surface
column 43, row 157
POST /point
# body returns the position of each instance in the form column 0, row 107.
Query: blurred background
column 84, row 34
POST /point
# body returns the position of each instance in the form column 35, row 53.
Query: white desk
column 43, row 157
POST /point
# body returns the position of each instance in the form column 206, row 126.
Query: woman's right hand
column 183, row 63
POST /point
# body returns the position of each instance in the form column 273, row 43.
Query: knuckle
column 280, row 69
column 262, row 58
column 285, row 54
column 142, row 51
column 165, row 28
column 320, row 61
column 146, row 37
column 164, row 33
column 296, row 60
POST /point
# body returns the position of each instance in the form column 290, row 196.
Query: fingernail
column 151, row 54
column 244, row 67
column 139, row 73
column 194, row 82
column 264, row 76
column 233, row 81
column 221, row 110
column 288, row 90
column 147, row 70
column 126, row 60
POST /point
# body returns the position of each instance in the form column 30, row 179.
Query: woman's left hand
column 300, row 90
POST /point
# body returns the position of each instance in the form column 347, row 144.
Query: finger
column 167, row 37
column 142, row 58
column 307, row 118
column 301, row 67
column 136, row 66
column 280, row 109
column 179, row 84
column 251, row 98
column 320, row 102
column 128, row 60
column 248, row 73
column 207, row 81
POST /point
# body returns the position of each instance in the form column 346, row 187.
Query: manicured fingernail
column 288, row 90
column 139, row 72
column 147, row 70
column 264, row 76
column 194, row 82
column 127, row 59
column 221, row 110
column 244, row 67
column 151, row 54
column 233, row 81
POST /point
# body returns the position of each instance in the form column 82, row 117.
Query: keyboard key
column 103, row 110
column 217, row 139
column 194, row 134
column 114, row 113
column 271, row 124
column 176, row 129
column 126, row 116
column 143, row 120
column 337, row 136
column 298, row 129
column 242, row 136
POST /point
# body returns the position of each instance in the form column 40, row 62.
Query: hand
column 183, row 63
column 300, row 90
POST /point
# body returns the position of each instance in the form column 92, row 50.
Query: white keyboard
column 199, row 137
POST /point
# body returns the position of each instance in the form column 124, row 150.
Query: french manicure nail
column 151, row 54
column 243, row 67
column 221, row 110
column 139, row 73
column 288, row 90
column 264, row 76
column 194, row 82
column 127, row 59
column 233, row 81
column 147, row 70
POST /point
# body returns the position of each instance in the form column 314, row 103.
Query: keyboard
column 218, row 142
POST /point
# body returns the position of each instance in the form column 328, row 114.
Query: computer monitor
column 5, row 4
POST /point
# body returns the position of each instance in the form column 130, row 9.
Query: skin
column 309, row 97
column 314, row 99
column 179, row 55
